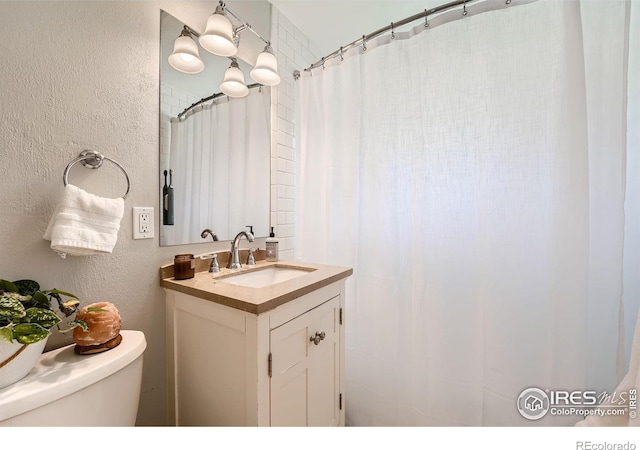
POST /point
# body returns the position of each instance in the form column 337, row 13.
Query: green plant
column 27, row 313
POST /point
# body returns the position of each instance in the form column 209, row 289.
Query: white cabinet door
column 304, row 384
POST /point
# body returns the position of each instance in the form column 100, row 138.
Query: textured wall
column 78, row 75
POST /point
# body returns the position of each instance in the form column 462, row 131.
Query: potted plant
column 27, row 316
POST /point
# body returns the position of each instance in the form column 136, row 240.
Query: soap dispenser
column 271, row 247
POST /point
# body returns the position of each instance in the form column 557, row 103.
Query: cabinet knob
column 318, row 337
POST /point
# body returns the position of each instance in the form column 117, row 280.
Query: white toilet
column 66, row 389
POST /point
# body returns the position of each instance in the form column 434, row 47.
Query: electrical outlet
column 142, row 222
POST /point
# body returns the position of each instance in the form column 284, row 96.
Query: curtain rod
column 212, row 97
column 363, row 40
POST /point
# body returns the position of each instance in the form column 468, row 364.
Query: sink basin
column 265, row 277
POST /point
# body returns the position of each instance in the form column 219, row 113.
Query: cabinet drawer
column 301, row 305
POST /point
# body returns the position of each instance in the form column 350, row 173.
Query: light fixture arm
column 245, row 25
column 241, row 28
column 188, row 31
column 223, row 9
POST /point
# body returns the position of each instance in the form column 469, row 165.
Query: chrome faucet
column 214, row 267
column 207, row 232
column 234, row 260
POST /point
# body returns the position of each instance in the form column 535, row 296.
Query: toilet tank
column 66, row 389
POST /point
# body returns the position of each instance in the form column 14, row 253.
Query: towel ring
column 93, row 160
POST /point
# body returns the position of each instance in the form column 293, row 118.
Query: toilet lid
column 62, row 372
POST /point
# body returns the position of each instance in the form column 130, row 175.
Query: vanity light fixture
column 266, row 68
column 233, row 83
column 221, row 38
column 185, row 56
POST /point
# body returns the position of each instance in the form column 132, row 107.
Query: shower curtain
column 473, row 175
column 212, row 151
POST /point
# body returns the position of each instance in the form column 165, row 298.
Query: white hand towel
column 84, row 224
column 628, row 388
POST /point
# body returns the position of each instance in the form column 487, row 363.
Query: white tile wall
column 294, row 52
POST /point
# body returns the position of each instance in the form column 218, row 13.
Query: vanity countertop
column 257, row 300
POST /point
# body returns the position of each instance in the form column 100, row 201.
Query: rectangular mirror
column 215, row 157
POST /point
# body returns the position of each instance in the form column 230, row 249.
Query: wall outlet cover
column 143, row 227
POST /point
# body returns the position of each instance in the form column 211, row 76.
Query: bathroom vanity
column 258, row 346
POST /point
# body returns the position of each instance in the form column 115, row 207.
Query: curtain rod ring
column 426, row 19
column 393, row 34
column 364, row 43
column 464, row 8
